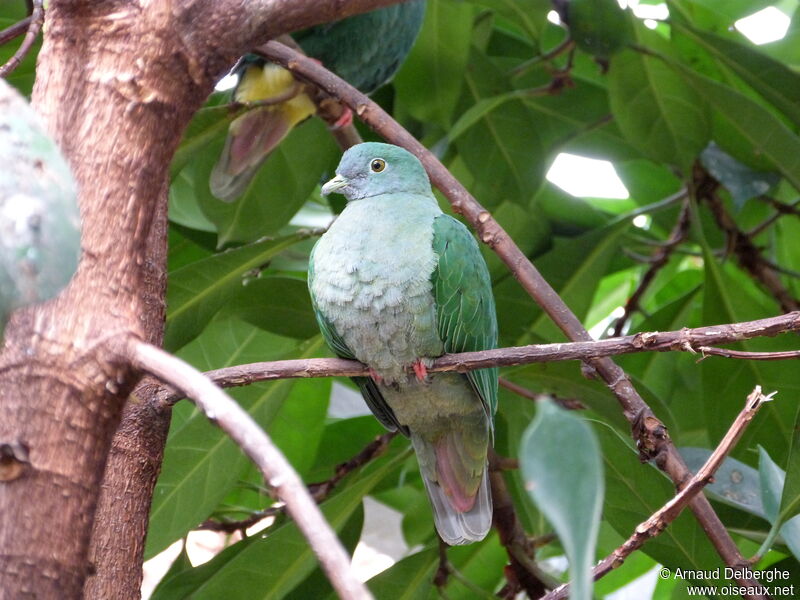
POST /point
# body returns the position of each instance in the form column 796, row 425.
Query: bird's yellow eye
column 377, row 165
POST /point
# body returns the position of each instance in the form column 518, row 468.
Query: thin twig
column 565, row 403
column 681, row 340
column 657, row 262
column 659, row 520
column 650, row 433
column 741, row 354
column 34, row 27
column 14, row 31
column 278, row 473
column 781, row 209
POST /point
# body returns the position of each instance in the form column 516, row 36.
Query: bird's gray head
column 372, row 168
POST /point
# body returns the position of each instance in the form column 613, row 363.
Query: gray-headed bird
column 395, row 283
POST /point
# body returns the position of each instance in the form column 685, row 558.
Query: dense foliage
column 690, row 111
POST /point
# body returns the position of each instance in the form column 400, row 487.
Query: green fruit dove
column 395, row 283
column 365, row 50
column 39, row 220
column 598, row 27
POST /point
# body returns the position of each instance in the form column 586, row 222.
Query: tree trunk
column 62, row 386
column 116, row 84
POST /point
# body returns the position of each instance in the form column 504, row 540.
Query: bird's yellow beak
column 334, row 185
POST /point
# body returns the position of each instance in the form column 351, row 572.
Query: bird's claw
column 375, row 377
column 420, row 370
column 345, row 120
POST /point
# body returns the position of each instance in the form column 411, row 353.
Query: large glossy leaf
column 200, row 456
column 574, row 268
column 763, row 130
column 790, row 499
column 271, row 565
column 726, row 384
column 734, row 483
column 430, row 82
column 772, row 483
column 279, row 189
column 502, row 150
column 277, row 304
column 563, row 472
column 198, row 290
column 409, row 579
column 658, row 114
column 773, row 79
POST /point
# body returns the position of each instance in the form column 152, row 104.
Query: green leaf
column 207, row 125
column 198, row 290
column 201, row 457
column 563, row 472
column 655, row 110
column 269, row 566
column 774, row 80
column 277, row 304
column 734, row 483
column 726, row 300
column 530, row 15
column 575, row 267
column 430, row 82
column 503, row 152
column 279, row 189
column 408, row 579
column 790, row 499
column 767, row 134
column 772, row 483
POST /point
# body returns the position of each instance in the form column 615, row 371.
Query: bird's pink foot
column 344, row 120
column 420, row 370
column 375, row 377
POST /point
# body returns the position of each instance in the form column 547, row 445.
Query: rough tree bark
column 116, row 84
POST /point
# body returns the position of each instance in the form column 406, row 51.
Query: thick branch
column 699, row 340
column 651, row 435
column 665, row 515
column 277, row 471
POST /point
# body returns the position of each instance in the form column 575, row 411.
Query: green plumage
column 396, row 283
column 367, row 49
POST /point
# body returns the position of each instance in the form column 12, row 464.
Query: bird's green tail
column 454, row 469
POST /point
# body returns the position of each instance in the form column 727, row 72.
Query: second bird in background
column 365, row 50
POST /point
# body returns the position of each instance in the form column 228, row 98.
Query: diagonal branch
column 665, row 515
column 278, row 473
column 698, row 340
column 650, row 433
column 748, row 255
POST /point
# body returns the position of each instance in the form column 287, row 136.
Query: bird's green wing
column 369, row 390
column 465, row 309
